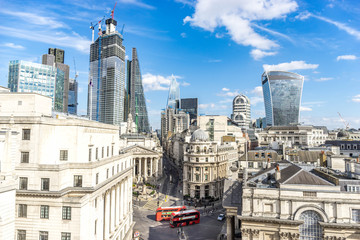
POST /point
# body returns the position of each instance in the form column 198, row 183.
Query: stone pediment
column 140, row 150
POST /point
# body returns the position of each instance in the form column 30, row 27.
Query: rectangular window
column 309, row 194
column 250, row 164
column 66, row 213
column 206, row 168
column 206, row 177
column 44, row 211
column 197, row 177
column 107, row 173
column 63, row 155
column 197, row 169
column 197, row 159
column 65, row 236
column 107, row 151
column 90, row 154
column 355, row 215
column 22, row 210
column 112, row 150
column 206, row 159
column 97, row 178
column 97, row 154
column 44, row 235
column 21, row 235
column 45, row 184
column 26, row 134
column 77, row 180
column 113, row 170
column 102, row 152
column 24, row 157
column 23, row 183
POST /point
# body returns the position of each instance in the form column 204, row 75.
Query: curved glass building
column 282, row 97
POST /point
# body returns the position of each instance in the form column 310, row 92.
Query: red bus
column 164, row 213
column 184, row 218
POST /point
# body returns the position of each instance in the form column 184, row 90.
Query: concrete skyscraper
column 282, row 97
column 55, row 58
column 106, row 91
column 135, row 94
column 241, row 111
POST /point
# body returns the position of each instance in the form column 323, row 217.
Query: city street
column 207, row 229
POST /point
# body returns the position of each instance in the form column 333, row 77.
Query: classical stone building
column 72, row 180
column 304, row 136
column 290, row 202
column 206, row 165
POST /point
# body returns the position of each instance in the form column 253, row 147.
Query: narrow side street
column 169, row 195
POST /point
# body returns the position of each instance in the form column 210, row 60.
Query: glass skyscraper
column 174, row 95
column 106, row 91
column 37, row 78
column 73, row 96
column 136, row 98
column 282, row 97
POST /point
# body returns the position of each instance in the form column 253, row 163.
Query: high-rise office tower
column 174, row 95
column 190, row 105
column 135, row 94
column 73, row 96
column 106, row 91
column 55, row 58
column 282, row 97
column 37, row 78
column 241, row 111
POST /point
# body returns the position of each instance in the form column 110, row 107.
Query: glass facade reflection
column 37, row 78
column 174, row 95
column 282, row 97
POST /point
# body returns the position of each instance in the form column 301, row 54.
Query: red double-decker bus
column 164, row 213
column 184, row 218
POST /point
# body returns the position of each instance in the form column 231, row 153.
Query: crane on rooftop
column 345, row 122
column 92, row 27
column 112, row 11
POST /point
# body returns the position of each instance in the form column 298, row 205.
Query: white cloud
column 158, row 83
column 13, row 45
column 183, row 35
column 293, row 65
column 213, row 106
column 227, row 93
column 214, row 60
column 226, row 100
column 61, row 39
column 237, row 18
column 137, row 3
column 356, row 98
column 346, row 57
column 258, row 91
column 148, row 100
column 305, row 109
column 35, row 19
column 205, row 106
column 339, row 25
column 184, row 84
column 255, row 100
column 126, row 57
column 258, row 54
column 186, row 2
column 323, row 79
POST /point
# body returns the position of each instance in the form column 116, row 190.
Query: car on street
column 221, row 217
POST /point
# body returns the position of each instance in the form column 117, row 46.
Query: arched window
column 197, row 149
column 310, row 229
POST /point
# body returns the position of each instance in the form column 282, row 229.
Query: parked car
column 221, row 217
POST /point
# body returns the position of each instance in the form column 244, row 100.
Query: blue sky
column 215, row 48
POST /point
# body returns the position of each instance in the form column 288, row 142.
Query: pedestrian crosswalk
column 152, row 205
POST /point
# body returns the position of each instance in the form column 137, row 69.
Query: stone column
column 151, row 166
column 121, row 201
column 134, row 166
column 111, row 197
column 145, row 168
column 139, row 168
column 230, row 228
column 117, row 201
column 104, row 214
column 107, row 214
column 156, row 167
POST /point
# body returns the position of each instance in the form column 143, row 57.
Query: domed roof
column 199, row 135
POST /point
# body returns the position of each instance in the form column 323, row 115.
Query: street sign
column 136, row 234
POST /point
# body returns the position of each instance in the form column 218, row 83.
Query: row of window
column 102, row 152
column 44, row 211
column 43, row 235
column 45, row 183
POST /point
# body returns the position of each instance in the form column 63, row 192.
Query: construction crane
column 92, row 27
column 345, row 122
column 76, row 74
column 112, row 11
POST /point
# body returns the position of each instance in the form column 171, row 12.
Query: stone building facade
column 72, row 181
column 205, row 166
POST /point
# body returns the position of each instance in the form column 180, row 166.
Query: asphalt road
column 207, row 229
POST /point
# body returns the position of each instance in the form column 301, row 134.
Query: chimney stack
column 277, row 173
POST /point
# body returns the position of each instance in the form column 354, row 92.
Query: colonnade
column 116, row 206
column 146, row 167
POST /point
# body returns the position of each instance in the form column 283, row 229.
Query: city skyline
column 209, row 56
